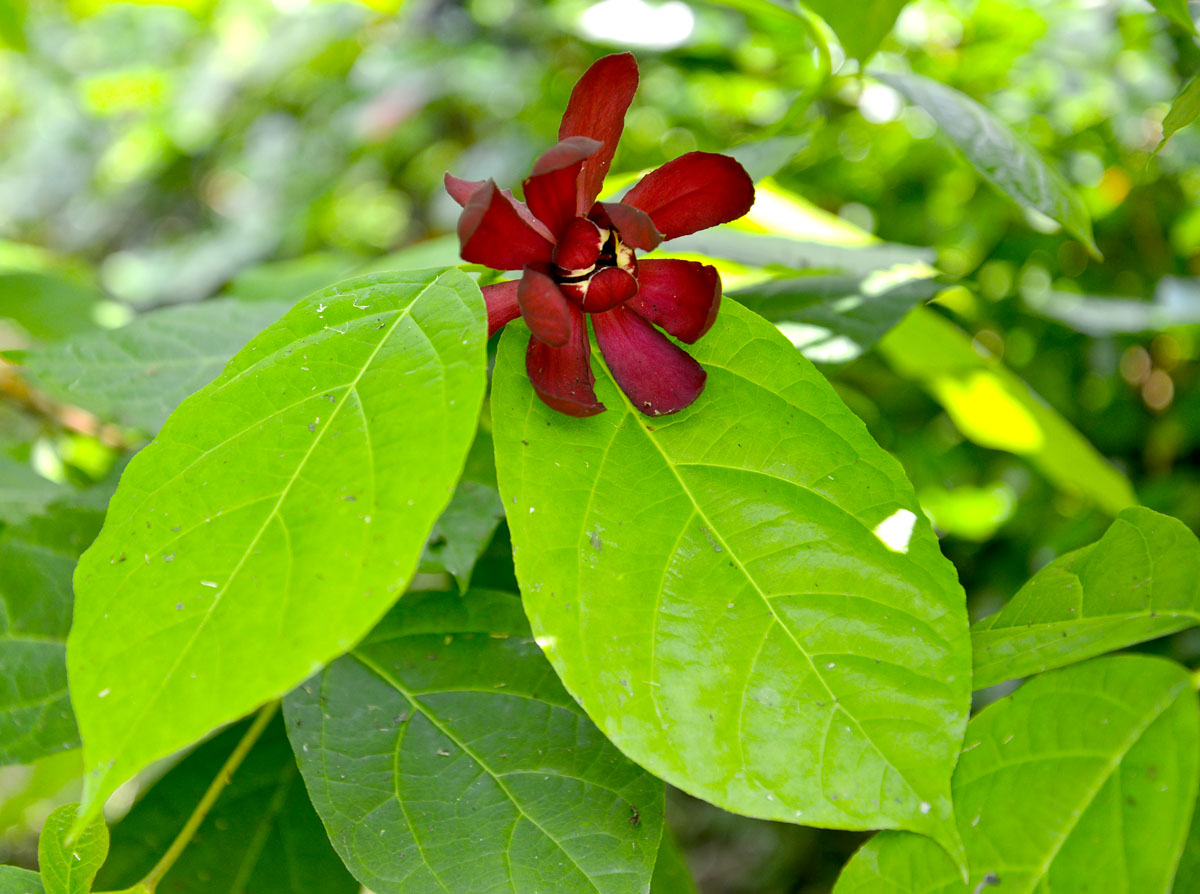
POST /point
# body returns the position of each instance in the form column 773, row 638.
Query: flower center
column 613, row 253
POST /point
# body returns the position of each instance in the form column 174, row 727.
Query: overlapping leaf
column 744, row 596
column 138, row 374
column 36, row 562
column 444, row 755
column 260, row 836
column 994, row 408
column 862, row 25
column 279, row 513
column 68, row 867
column 19, row 881
column 1006, row 161
column 1083, row 780
column 1141, row 580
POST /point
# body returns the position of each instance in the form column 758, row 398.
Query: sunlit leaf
column 1184, row 110
column 994, row 408
column 1141, row 580
column 1177, row 11
column 1082, row 780
column 138, row 374
column 1009, row 163
column 68, row 867
column 278, row 514
column 444, row 755
column 36, row 562
column 835, row 319
column 744, row 596
column 860, row 25
column 262, row 834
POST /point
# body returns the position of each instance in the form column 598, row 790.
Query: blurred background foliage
column 157, row 154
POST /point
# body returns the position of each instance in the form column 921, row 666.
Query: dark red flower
column 577, row 255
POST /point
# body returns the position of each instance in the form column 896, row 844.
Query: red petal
column 693, row 192
column 659, row 376
column 493, row 233
column 461, row 190
column 608, row 288
column 502, row 306
column 597, row 110
column 634, row 224
column 562, row 377
column 551, row 188
column 544, row 308
column 680, row 296
column 578, row 245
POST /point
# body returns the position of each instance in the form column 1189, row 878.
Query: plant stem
column 163, row 866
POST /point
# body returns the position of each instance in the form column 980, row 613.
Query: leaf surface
column 1184, row 110
column 1177, row 11
column 68, row 868
column 444, row 755
column 36, row 562
column 744, row 596
column 279, row 513
column 1006, row 161
column 1141, row 580
column 262, row 835
column 19, row 881
column 23, row 492
column 860, row 26
column 138, row 374
column 1082, row 780
column 994, row 408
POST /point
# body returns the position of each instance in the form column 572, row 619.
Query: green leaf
column 1177, row 12
column 463, row 532
column 860, row 25
column 36, row 562
column 262, row 834
column 279, row 513
column 1187, row 877
column 784, row 253
column 993, row 408
column 289, row 281
column 671, row 874
column 1082, row 780
column 69, row 867
column 744, row 596
column 138, row 374
column 835, row 319
column 19, row 881
column 23, row 492
column 1141, row 580
column 48, row 305
column 765, row 158
column 1184, row 110
column 1007, row 162
column 444, row 755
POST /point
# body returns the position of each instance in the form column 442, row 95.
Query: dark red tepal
column 577, row 255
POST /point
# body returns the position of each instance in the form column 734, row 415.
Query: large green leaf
column 745, row 596
column 444, row 755
column 1083, row 780
column 835, row 319
column 860, row 25
column 1006, row 161
column 994, row 408
column 138, row 374
column 1177, row 11
column 277, row 516
column 36, row 562
column 19, row 881
column 261, row 836
column 68, row 867
column 1141, row 580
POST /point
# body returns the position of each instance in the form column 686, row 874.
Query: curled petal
column 461, row 190
column 544, row 308
column 597, row 109
column 578, row 245
column 634, row 224
column 493, row 233
column 658, row 376
column 562, row 377
column 680, row 296
column 502, row 307
column 609, row 288
column 693, row 192
column 551, row 188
